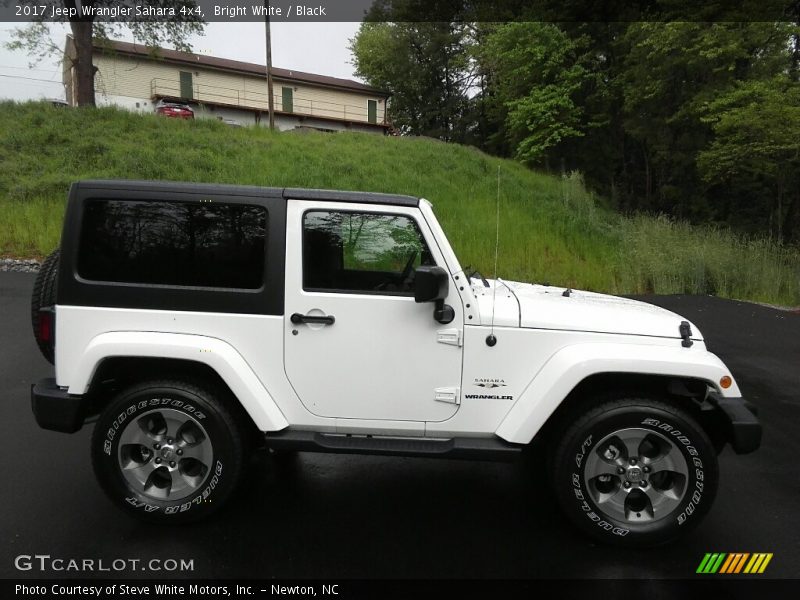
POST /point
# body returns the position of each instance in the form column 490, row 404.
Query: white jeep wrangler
column 195, row 323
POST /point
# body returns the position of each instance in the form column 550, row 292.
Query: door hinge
column 447, row 394
column 449, row 336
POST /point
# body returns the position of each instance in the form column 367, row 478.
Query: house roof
column 189, row 58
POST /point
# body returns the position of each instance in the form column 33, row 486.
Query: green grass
column 552, row 229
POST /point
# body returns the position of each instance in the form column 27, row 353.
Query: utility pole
column 270, row 102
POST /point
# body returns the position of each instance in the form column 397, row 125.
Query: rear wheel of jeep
column 44, row 296
column 168, row 451
column 635, row 472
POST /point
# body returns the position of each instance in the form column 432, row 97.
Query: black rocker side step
column 469, row 448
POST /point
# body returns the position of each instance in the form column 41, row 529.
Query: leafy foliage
column 756, row 129
column 537, row 71
column 426, row 68
column 693, row 120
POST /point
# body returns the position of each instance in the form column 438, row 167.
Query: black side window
column 173, row 243
column 361, row 252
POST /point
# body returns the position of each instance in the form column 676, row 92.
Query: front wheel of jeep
column 168, row 451
column 635, row 472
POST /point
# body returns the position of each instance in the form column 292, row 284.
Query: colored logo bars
column 736, row 562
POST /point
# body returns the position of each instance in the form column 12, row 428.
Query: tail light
column 46, row 323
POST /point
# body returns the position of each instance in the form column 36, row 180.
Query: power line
column 30, row 78
column 29, row 69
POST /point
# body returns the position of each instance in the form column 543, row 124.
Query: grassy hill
column 552, row 229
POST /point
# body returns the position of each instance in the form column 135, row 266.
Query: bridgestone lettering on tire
column 635, row 472
column 168, row 451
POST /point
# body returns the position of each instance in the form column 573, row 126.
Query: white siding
column 139, row 79
column 323, row 102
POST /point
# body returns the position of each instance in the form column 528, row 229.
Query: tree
column 151, row 30
column 536, row 70
column 426, row 67
column 756, row 129
column 633, row 105
column 668, row 73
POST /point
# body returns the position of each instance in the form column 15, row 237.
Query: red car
column 175, row 110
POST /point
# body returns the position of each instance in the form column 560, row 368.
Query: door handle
column 297, row 318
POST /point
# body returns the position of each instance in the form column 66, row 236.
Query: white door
column 369, row 350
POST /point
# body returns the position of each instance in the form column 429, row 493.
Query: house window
column 287, row 99
column 372, row 111
column 187, row 88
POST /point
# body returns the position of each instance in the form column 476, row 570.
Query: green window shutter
column 187, row 89
column 372, row 111
column 287, row 99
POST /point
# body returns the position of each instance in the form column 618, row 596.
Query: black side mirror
column 431, row 284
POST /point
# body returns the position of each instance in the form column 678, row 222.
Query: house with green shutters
column 136, row 77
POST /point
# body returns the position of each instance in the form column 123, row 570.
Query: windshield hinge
column 447, row 394
column 449, row 336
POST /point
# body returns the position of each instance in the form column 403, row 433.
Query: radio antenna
column 491, row 340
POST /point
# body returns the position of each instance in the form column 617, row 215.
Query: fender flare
column 217, row 354
column 572, row 364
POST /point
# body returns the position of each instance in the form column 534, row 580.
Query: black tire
column 150, row 412
column 43, row 295
column 601, row 491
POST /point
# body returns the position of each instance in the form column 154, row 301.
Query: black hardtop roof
column 249, row 190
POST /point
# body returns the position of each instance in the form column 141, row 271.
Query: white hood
column 546, row 307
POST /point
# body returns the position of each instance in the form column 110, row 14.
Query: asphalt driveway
column 352, row 517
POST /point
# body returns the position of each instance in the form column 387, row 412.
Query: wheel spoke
column 142, row 432
column 159, row 483
column 668, row 459
column 612, row 502
column 638, row 507
column 662, row 501
column 192, row 471
column 132, row 456
column 141, row 471
column 193, row 443
column 197, row 452
column 189, row 434
column 598, row 465
column 631, row 441
column 615, row 497
column 174, row 424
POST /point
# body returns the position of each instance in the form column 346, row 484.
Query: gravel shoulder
column 19, row 265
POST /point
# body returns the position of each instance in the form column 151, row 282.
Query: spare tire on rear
column 43, row 296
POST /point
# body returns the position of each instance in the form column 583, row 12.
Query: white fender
column 215, row 353
column 572, row 364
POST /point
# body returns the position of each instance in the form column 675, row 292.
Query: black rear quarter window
column 173, row 243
